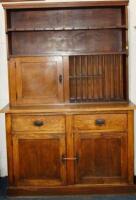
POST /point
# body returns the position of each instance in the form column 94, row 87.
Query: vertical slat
column 117, row 75
column 106, row 79
column 86, row 80
column 75, row 79
column 72, row 81
column 77, row 64
column 92, row 80
column 80, row 82
column 99, row 77
column 89, row 85
column 103, row 71
column 112, row 77
column 109, row 77
column 114, row 64
column 121, row 77
column 95, row 77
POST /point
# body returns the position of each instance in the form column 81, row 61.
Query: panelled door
column 102, row 158
column 100, row 141
column 36, row 80
column 37, row 159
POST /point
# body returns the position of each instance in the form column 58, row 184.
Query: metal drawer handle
column 100, row 122
column 60, row 78
column 38, row 123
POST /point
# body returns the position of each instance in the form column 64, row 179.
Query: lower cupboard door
column 37, row 160
column 102, row 158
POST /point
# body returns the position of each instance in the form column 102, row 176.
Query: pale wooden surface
column 69, row 108
column 55, row 3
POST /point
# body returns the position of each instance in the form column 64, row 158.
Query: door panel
column 102, row 157
column 37, row 159
column 38, row 80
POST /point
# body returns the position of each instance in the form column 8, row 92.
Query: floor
column 3, row 185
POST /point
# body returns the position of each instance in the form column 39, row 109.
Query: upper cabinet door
column 36, row 80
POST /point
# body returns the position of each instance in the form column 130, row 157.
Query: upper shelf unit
column 66, row 31
column 65, row 19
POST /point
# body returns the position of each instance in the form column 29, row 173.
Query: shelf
column 71, row 54
column 65, row 29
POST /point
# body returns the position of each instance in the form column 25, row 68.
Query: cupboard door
column 39, row 80
column 37, row 159
column 102, row 157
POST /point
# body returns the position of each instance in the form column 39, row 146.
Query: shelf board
column 65, row 29
column 71, row 54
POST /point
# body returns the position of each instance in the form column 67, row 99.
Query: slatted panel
column 96, row 78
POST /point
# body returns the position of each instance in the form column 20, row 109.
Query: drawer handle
column 99, row 122
column 64, row 158
column 38, row 123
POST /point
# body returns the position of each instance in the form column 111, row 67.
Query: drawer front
column 38, row 123
column 101, row 122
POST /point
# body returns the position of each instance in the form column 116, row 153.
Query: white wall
column 132, row 58
column 3, row 94
column 4, row 76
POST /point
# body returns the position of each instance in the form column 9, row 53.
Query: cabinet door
column 38, row 80
column 102, row 157
column 37, row 159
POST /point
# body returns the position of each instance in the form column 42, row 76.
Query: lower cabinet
column 102, row 157
column 37, row 159
column 91, row 149
column 101, row 143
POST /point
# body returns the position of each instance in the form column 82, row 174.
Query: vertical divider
column 70, row 149
column 66, row 78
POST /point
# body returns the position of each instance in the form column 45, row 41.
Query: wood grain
column 111, row 122
column 34, row 165
column 49, row 123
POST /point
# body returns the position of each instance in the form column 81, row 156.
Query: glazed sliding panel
column 97, row 78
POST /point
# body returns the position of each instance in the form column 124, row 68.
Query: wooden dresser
column 69, row 121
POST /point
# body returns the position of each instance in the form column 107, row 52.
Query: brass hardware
column 126, row 47
column 99, row 122
column 64, row 158
column 38, row 123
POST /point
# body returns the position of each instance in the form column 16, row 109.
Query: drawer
column 101, row 122
column 38, row 123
